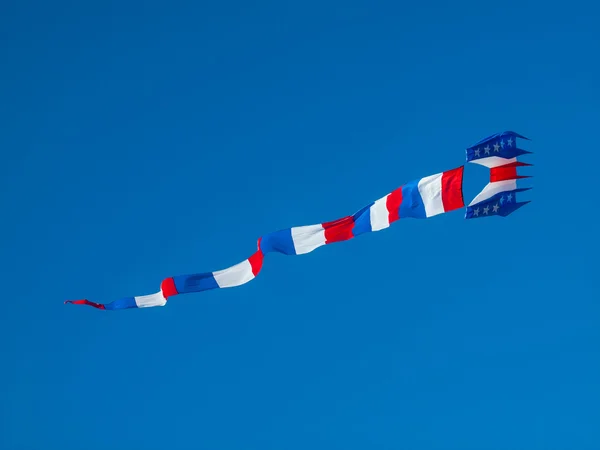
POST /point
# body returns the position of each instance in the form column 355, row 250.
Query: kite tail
column 85, row 302
column 142, row 301
column 420, row 199
column 233, row 276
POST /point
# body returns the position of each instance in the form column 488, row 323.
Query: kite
column 420, row 199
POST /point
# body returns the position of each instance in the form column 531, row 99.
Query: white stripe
column 430, row 189
column 493, row 161
column 307, row 238
column 492, row 189
column 145, row 301
column 380, row 217
column 235, row 275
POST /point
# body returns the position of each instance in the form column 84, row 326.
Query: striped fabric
column 423, row 198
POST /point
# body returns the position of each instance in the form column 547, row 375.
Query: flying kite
column 423, row 198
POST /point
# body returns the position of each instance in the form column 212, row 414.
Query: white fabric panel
column 494, row 188
column 235, row 275
column 380, row 217
column 307, row 238
column 145, row 301
column 430, row 189
column 493, row 161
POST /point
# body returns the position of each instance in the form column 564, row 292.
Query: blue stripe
column 362, row 221
column 505, row 151
column 123, row 303
column 412, row 203
column 279, row 241
column 503, row 205
column 195, row 283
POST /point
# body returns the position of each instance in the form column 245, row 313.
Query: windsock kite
column 419, row 199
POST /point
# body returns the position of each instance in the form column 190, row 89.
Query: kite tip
column 75, row 302
column 85, row 302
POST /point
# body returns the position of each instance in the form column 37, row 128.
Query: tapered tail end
column 85, row 302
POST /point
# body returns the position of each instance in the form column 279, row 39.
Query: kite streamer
column 423, row 198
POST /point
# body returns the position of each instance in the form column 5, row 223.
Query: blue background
column 144, row 140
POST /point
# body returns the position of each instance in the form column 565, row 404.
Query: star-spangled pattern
column 502, row 145
column 500, row 204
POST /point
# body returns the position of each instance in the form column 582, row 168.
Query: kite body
column 500, row 154
column 419, row 199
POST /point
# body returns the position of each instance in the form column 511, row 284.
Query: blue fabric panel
column 198, row 282
column 412, row 203
column 123, row 303
column 279, row 241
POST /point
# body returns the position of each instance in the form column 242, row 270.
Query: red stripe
column 256, row 261
column 506, row 172
column 392, row 203
column 85, row 302
column 168, row 288
column 452, row 196
column 338, row 230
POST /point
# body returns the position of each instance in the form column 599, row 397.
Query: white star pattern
column 487, row 149
column 509, row 197
column 496, row 208
column 510, row 142
column 486, row 209
column 502, row 200
column 476, row 212
column 477, row 152
column 496, row 147
column 502, row 143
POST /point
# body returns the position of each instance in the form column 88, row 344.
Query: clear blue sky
column 144, row 140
